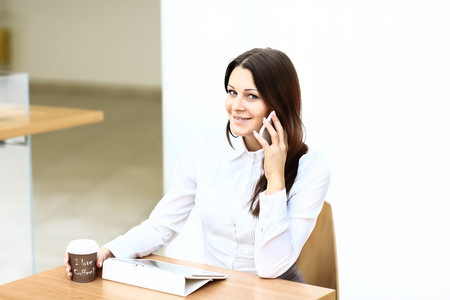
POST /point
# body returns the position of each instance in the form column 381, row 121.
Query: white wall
column 85, row 41
column 374, row 78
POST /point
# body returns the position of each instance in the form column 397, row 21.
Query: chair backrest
column 318, row 259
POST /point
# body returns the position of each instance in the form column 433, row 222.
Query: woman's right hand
column 102, row 255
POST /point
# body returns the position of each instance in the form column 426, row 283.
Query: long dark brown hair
column 277, row 82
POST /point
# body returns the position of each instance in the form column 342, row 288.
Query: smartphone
column 264, row 132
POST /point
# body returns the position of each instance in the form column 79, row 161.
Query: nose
column 238, row 103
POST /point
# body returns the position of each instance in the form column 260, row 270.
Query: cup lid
column 83, row 246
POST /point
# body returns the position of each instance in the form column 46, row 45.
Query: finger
column 102, row 255
column 262, row 141
column 278, row 127
column 69, row 272
column 100, row 258
column 273, row 133
column 66, row 260
column 67, row 265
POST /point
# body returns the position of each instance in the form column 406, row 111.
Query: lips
column 240, row 119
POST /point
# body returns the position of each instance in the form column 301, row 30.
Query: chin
column 241, row 129
column 235, row 130
column 238, row 132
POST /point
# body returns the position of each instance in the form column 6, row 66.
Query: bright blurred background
column 374, row 78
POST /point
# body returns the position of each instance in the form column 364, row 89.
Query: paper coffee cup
column 83, row 259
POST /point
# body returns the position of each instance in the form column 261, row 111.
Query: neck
column 251, row 143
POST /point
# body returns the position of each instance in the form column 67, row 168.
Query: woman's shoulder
column 313, row 164
column 310, row 187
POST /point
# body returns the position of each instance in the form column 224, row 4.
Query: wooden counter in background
column 47, row 118
column 16, row 197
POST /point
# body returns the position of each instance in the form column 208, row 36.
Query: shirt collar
column 240, row 149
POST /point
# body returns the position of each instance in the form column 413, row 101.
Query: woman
column 258, row 201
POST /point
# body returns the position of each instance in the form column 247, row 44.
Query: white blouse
column 219, row 181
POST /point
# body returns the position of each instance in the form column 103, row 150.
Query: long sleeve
column 165, row 221
column 282, row 229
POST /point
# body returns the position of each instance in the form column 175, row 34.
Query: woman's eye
column 253, row 97
column 231, row 92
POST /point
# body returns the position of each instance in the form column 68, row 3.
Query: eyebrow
column 244, row 90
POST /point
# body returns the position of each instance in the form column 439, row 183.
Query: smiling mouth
column 240, row 119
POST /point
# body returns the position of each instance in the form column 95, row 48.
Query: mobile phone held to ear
column 264, row 132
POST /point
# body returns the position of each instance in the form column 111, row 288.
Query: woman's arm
column 283, row 229
column 167, row 218
column 164, row 222
column 163, row 225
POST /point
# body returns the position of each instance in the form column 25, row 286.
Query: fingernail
column 100, row 264
column 254, row 132
column 67, row 269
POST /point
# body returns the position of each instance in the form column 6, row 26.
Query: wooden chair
column 317, row 260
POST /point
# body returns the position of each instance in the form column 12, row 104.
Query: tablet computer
column 187, row 272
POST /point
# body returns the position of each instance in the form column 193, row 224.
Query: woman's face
column 245, row 107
